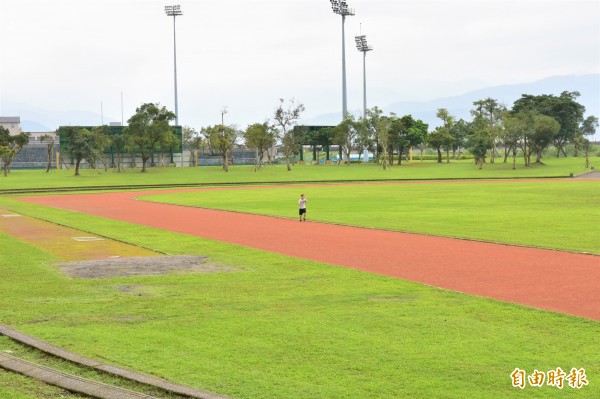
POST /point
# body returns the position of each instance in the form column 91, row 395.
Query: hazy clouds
column 246, row 54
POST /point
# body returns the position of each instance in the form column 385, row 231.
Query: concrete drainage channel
column 69, row 382
column 84, row 386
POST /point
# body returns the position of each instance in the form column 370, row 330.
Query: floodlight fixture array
column 361, row 43
column 341, row 7
column 173, row 11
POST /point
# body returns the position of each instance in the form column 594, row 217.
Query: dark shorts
column 301, row 211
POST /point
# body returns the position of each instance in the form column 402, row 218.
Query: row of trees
column 388, row 136
column 219, row 140
column 148, row 132
column 531, row 126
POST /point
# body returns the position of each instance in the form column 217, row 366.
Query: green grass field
column 20, row 179
column 282, row 327
column 560, row 214
column 285, row 328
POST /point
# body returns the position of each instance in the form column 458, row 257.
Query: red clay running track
column 554, row 280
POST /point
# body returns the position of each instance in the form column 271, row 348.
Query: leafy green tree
column 436, row 140
column 513, row 134
column 347, row 135
column 149, row 127
column 220, row 140
column 447, row 119
column 369, row 131
column 102, row 141
column 441, row 138
column 260, row 137
column 530, row 131
column 324, row 138
column 50, row 141
column 11, row 145
column 448, row 144
column 383, row 127
column 517, row 133
column 191, row 141
column 365, row 139
column 490, row 111
column 395, row 139
column 586, row 146
column 460, row 132
column 316, row 139
column 166, row 145
column 522, row 126
column 285, row 118
column 79, row 143
column 588, row 127
column 564, row 109
column 545, row 129
column 479, row 144
column 118, row 149
column 480, row 140
column 5, row 151
column 406, row 132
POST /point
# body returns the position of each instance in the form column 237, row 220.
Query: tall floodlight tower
column 362, row 46
column 340, row 7
column 175, row 11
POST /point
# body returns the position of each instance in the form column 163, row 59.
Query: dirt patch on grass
column 64, row 242
column 88, row 256
column 141, row 266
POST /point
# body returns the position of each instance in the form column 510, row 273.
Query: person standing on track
column 302, row 208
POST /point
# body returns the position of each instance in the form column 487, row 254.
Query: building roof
column 10, row 119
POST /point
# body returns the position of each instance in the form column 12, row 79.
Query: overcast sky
column 76, row 54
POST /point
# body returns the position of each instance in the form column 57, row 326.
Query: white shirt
column 302, row 203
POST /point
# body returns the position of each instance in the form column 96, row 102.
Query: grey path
column 589, row 175
column 66, row 381
column 107, row 368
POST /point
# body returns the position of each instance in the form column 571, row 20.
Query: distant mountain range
column 460, row 106
column 37, row 120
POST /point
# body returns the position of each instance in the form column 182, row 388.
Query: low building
column 12, row 123
column 42, row 137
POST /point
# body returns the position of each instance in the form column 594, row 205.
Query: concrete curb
column 66, row 381
column 107, row 368
column 594, row 173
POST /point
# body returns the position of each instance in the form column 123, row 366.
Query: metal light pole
column 223, row 112
column 340, row 7
column 175, row 11
column 361, row 45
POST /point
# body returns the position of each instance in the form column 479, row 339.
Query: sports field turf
column 286, row 328
column 278, row 173
column 559, row 214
